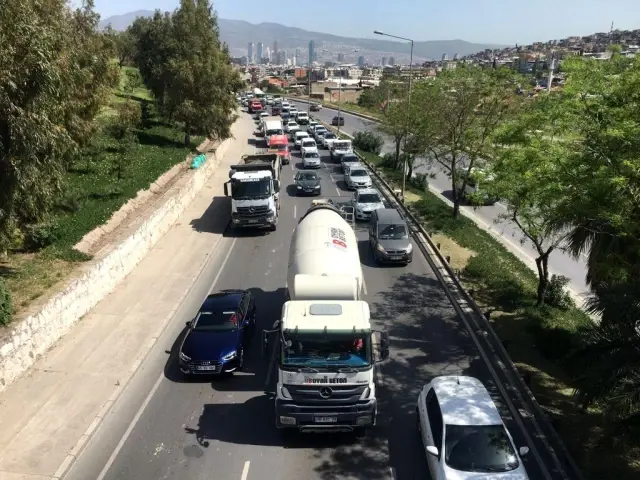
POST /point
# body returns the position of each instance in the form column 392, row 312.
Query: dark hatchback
column 308, row 183
column 337, row 121
column 217, row 337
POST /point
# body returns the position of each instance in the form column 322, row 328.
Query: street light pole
column 309, row 101
column 404, row 163
column 339, row 101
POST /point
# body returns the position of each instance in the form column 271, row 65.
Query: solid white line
column 295, row 211
column 155, row 387
column 132, row 425
column 245, row 470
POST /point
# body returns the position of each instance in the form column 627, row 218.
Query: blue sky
column 488, row 21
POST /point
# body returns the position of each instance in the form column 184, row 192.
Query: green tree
column 133, row 81
column 154, row 49
column 123, row 44
column 55, row 74
column 395, row 124
column 528, row 173
column 460, row 110
column 122, row 129
column 202, row 80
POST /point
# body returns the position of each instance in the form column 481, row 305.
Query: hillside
column 238, row 33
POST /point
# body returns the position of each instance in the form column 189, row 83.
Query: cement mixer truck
column 324, row 348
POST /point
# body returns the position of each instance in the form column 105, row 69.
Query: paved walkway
column 45, row 415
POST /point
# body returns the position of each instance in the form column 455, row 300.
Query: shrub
column 557, row 295
column 420, row 181
column 41, row 235
column 6, row 305
column 368, row 141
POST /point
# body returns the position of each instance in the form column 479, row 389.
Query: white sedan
column 292, row 127
column 463, row 434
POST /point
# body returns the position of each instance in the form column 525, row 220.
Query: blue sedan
column 217, row 337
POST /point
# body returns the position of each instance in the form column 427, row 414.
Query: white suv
column 298, row 138
column 463, row 434
column 308, row 146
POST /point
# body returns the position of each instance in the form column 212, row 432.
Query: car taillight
column 234, row 320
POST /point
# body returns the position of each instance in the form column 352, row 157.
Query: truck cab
column 254, row 187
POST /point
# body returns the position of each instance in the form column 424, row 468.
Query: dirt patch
column 31, row 276
column 459, row 255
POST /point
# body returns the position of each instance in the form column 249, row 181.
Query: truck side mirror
column 226, row 189
column 276, row 185
column 382, row 345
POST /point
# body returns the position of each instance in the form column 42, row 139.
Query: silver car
column 357, row 177
column 365, row 201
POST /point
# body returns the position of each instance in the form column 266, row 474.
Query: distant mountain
column 238, row 33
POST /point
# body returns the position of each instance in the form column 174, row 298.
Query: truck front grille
column 312, row 394
column 257, row 211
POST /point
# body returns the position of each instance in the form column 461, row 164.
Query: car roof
column 368, row 191
column 389, row 215
column 358, row 166
column 225, row 300
column 302, row 134
column 465, row 401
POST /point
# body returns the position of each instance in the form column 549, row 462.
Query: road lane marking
column 364, row 285
column 295, row 211
column 331, row 177
column 245, row 470
column 147, row 400
column 338, row 190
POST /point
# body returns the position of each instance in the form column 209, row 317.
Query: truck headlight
column 365, row 394
column 229, row 356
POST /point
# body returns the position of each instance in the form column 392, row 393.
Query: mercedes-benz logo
column 325, row 392
column 251, row 209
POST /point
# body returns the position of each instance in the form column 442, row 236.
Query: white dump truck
column 324, row 348
column 254, row 188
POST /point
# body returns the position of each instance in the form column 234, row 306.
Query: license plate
column 207, row 367
column 326, row 419
column 252, row 220
column 395, row 257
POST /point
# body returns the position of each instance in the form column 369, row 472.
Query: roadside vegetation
column 566, row 166
column 86, row 121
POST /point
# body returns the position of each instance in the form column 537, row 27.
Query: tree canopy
column 55, row 74
column 187, row 68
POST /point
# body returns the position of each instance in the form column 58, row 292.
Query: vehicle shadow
column 292, row 190
column 342, row 185
column 367, row 259
column 216, row 217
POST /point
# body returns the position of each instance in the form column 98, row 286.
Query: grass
column 537, row 339
column 348, row 107
column 92, row 194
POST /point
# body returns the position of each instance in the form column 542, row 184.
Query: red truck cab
column 255, row 106
column 280, row 144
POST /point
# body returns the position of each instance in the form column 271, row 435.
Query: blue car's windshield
column 328, row 351
column 216, row 321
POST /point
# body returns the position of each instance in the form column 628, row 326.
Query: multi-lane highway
column 560, row 262
column 165, row 427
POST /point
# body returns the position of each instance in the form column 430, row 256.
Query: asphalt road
column 560, row 262
column 167, row 428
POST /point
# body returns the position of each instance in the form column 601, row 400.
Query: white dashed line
column 338, row 190
column 364, row 286
column 331, row 177
column 295, row 211
column 245, row 470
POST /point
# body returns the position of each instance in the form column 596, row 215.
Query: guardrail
column 506, row 375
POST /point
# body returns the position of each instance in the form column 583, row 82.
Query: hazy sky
column 488, row 21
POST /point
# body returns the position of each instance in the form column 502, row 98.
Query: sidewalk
column 45, row 414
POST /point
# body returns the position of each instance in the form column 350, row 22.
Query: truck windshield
column 256, row 189
column 330, row 351
column 341, row 145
